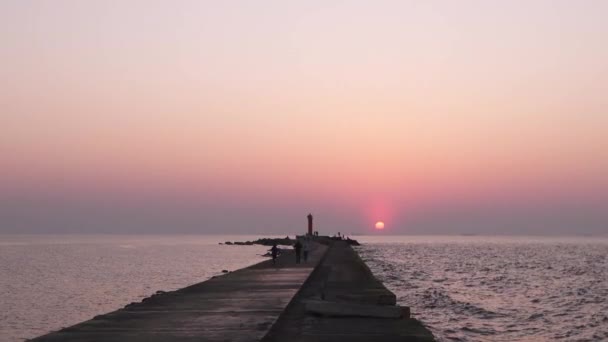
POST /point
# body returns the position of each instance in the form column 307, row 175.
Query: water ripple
column 51, row 282
column 511, row 290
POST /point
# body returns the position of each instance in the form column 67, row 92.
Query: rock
column 266, row 242
column 353, row 242
column 286, row 241
column 225, row 271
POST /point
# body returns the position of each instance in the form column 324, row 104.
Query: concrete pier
column 343, row 280
column 263, row 302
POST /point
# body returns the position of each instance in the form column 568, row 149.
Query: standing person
column 274, row 251
column 306, row 249
column 298, row 248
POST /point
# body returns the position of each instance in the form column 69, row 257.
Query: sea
column 50, row 282
column 476, row 288
column 463, row 288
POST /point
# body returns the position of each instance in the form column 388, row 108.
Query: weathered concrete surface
column 238, row 306
column 345, row 309
column 343, row 276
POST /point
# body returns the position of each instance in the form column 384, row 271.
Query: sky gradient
column 444, row 117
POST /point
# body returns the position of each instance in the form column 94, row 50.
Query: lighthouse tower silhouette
column 309, row 224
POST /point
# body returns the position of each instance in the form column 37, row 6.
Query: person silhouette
column 274, row 251
column 298, row 248
column 306, row 249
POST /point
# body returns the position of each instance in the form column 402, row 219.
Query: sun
column 379, row 225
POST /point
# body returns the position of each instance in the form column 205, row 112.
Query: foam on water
column 498, row 289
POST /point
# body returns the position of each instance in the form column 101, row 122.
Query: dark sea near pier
column 475, row 288
column 464, row 288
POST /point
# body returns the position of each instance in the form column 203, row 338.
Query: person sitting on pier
column 274, row 251
column 298, row 248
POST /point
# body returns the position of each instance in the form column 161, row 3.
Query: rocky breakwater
column 287, row 241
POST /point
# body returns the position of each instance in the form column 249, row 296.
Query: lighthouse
column 309, row 224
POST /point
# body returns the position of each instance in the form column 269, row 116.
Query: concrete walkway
column 342, row 277
column 238, row 306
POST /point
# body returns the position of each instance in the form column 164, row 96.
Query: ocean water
column 498, row 288
column 463, row 288
column 50, row 282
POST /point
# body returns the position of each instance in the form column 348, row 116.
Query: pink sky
column 243, row 116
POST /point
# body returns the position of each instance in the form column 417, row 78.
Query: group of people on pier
column 301, row 248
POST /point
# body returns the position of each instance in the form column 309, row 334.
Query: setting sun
column 379, row 225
